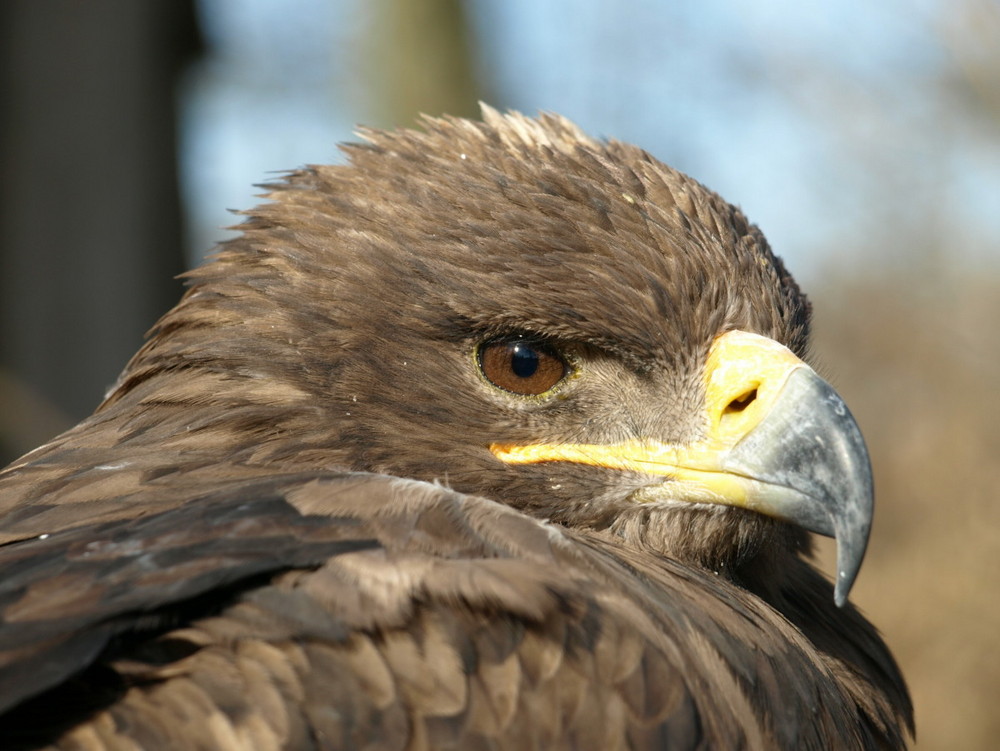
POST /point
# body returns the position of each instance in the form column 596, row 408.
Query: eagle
column 494, row 436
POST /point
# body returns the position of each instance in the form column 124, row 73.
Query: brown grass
column 917, row 356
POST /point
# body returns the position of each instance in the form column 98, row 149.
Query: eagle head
column 524, row 313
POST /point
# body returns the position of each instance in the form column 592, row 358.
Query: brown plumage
column 298, row 522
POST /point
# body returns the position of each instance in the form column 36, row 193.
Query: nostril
column 741, row 402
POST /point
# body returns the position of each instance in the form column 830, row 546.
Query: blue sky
column 788, row 109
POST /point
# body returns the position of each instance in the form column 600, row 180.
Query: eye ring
column 521, row 366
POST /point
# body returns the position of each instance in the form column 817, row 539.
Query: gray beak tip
column 852, row 540
column 811, row 453
column 842, row 588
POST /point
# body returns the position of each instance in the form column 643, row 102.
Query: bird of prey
column 494, row 437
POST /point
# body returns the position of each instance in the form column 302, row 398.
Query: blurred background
column 864, row 138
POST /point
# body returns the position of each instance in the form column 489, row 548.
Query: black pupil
column 523, row 360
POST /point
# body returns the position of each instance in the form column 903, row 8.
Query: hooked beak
column 780, row 442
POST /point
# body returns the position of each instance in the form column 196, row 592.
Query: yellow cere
column 741, row 364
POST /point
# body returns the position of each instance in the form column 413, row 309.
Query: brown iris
column 521, row 366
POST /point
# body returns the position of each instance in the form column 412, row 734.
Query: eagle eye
column 521, row 366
